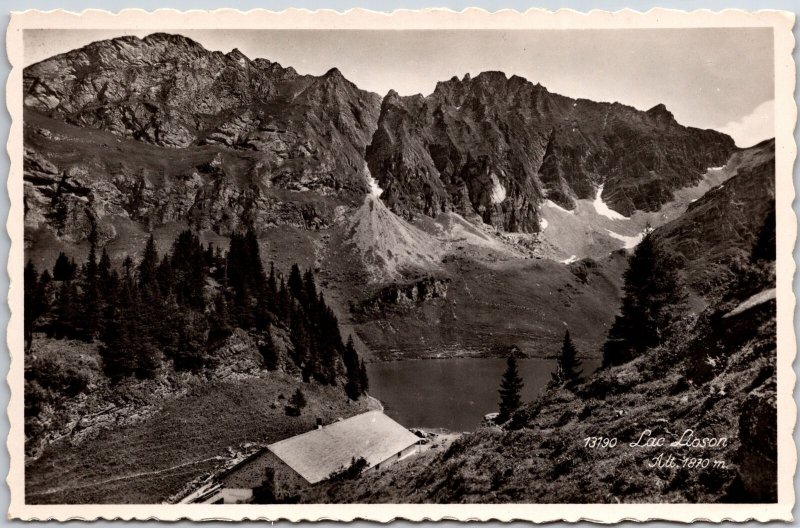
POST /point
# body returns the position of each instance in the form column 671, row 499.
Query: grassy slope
column 180, row 435
column 545, row 459
column 543, row 295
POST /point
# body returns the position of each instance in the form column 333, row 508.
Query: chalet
column 312, row 457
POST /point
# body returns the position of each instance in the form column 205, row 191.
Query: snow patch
column 498, row 191
column 629, row 241
column 570, row 260
column 715, row 168
column 374, row 189
column 602, row 208
column 543, row 224
column 554, row 205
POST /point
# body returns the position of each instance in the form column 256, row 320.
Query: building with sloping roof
column 373, row 436
column 312, row 457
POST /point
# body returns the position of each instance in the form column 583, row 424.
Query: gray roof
column 318, row 453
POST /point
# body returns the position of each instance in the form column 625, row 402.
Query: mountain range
column 479, row 220
column 487, row 177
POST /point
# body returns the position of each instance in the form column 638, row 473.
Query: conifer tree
column 354, row 386
column 31, row 285
column 510, row 390
column 295, row 283
column 64, row 268
column 66, row 311
column 654, row 298
column 90, row 300
column 284, row 301
column 268, row 351
column 104, row 272
column 567, row 367
column 165, row 277
column 363, row 380
column 272, row 287
column 148, row 269
column 765, row 246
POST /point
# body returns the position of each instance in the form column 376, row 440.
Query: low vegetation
column 707, row 383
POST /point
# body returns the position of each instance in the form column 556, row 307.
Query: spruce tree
column 363, row 379
column 66, row 312
column 765, row 246
column 64, row 268
column 295, row 283
column 654, row 299
column 148, row 269
column 268, row 351
column 510, row 390
column 567, row 368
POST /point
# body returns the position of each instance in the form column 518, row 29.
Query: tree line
column 172, row 310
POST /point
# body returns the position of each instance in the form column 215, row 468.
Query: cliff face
column 169, row 90
column 495, row 147
column 719, row 229
column 150, row 131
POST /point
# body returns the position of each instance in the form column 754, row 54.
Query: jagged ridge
column 494, row 147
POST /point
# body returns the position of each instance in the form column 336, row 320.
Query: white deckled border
column 167, row 19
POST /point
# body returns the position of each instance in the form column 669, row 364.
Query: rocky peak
column 660, row 113
column 335, row 74
column 495, row 147
column 237, row 56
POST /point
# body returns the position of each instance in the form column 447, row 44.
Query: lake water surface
column 454, row 393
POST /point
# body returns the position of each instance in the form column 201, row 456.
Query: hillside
column 145, row 441
column 710, row 389
column 542, row 458
column 718, row 230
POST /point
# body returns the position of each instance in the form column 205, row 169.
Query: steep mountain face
column 157, row 130
column 709, row 392
column 719, row 229
column 496, row 147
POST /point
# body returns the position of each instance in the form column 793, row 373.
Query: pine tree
column 510, row 390
column 363, row 379
column 104, row 272
column 284, row 302
column 117, row 352
column 165, row 277
column 268, row 351
column 64, row 268
column 567, row 368
column 765, row 246
column 148, row 269
column 296, row 283
column 310, row 291
column 90, row 300
column 272, row 287
column 298, row 399
column 66, row 311
column 654, row 298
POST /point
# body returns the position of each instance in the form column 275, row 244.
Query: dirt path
column 146, row 474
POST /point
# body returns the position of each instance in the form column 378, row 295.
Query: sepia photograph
column 310, row 266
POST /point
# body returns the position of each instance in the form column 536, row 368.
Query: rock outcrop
column 721, row 227
column 164, row 130
column 495, row 147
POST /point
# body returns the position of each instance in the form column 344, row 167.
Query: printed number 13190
column 599, row 442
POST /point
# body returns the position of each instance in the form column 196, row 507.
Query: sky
column 719, row 78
